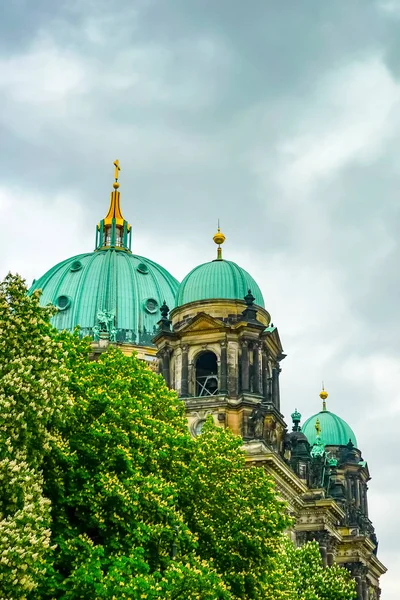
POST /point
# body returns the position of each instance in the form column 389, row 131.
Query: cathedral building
column 212, row 339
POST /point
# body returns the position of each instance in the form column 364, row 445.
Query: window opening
column 207, row 375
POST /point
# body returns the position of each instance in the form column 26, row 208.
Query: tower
column 221, row 353
column 344, row 475
column 219, row 350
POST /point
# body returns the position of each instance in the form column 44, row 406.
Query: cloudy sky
column 280, row 118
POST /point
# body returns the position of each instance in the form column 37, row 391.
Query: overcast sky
column 280, row 118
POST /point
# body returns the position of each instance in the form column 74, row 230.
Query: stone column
column 264, row 367
column 256, row 369
column 364, row 588
column 356, row 484
column 185, row 372
column 364, row 583
column 366, row 499
column 275, row 387
column 245, row 366
column 165, row 366
column 223, row 369
column 349, row 489
column 358, row 587
column 323, row 539
column 331, row 551
column 356, row 569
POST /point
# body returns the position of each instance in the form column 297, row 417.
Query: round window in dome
column 76, row 265
column 151, row 305
column 63, row 302
column 142, row 268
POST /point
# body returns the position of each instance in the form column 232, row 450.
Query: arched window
column 207, row 374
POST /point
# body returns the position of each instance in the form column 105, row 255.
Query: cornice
column 258, row 453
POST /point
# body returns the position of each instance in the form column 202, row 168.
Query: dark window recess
column 207, row 375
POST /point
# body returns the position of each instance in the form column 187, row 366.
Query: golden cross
column 117, row 168
column 318, row 427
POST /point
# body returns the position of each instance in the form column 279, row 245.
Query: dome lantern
column 114, row 231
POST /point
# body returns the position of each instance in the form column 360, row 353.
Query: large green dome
column 219, row 279
column 108, row 290
column 334, row 431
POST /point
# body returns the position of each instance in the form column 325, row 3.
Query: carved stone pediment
column 202, row 322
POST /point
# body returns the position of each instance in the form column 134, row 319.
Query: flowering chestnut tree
column 105, row 494
column 33, row 395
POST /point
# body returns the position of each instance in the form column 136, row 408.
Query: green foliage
column 139, row 509
column 33, row 373
column 233, row 511
column 113, row 477
column 33, row 395
column 299, row 574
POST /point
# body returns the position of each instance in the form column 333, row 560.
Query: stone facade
column 223, row 358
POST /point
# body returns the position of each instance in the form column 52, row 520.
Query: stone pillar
column 264, row 367
column 358, row 587
column 356, row 569
column 275, row 388
column 349, row 489
column 323, row 539
column 256, row 368
column 185, row 372
column 356, row 484
column 165, row 366
column 245, row 366
column 223, row 369
column 331, row 551
column 364, row 588
column 366, row 499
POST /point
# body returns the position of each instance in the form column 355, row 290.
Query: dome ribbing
column 108, row 290
column 334, row 430
column 219, row 279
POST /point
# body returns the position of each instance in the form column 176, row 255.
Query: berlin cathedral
column 212, row 339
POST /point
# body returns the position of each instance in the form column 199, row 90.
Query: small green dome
column 219, row 279
column 334, row 431
column 108, row 290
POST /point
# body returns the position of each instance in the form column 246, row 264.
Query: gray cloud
column 281, row 120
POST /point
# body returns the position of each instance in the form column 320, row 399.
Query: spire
column 219, row 239
column 114, row 232
column 323, row 395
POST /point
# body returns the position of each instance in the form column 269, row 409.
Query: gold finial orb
column 323, row 395
column 219, row 237
column 115, row 185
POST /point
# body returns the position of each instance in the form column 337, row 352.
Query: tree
column 137, row 500
column 143, row 510
column 299, row 574
column 139, row 509
column 33, row 395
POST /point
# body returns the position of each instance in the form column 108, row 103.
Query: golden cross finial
column 318, row 427
column 116, row 174
column 117, row 169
